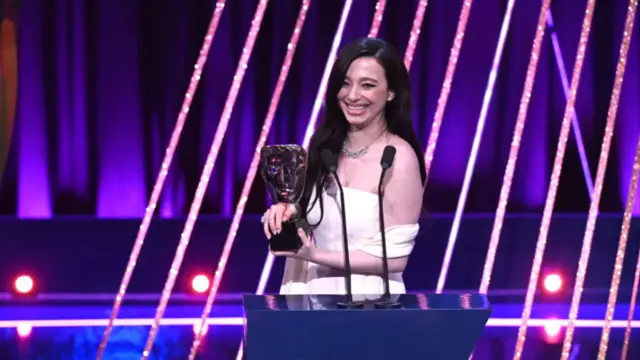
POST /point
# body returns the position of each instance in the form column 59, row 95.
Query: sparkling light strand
column 564, row 79
column 206, row 173
column 515, row 147
column 624, row 235
column 446, row 84
column 595, row 203
column 555, row 178
column 477, row 139
column 268, row 263
column 377, row 18
column 317, row 105
column 414, row 35
column 253, row 169
column 164, row 170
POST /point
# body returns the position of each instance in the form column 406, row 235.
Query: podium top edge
column 426, row 301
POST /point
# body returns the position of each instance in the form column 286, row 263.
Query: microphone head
column 329, row 160
column 388, row 155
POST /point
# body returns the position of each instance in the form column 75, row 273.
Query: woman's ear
column 391, row 96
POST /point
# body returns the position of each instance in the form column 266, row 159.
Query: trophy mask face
column 284, row 170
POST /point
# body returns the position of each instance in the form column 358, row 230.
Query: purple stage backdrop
column 101, row 83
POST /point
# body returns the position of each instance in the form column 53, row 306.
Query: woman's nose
column 353, row 94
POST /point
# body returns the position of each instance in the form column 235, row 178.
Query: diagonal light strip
column 555, row 178
column 477, row 139
column 446, row 84
column 626, row 225
column 164, row 170
column 516, row 139
column 414, row 34
column 575, row 124
column 377, row 18
column 600, row 175
column 317, row 105
column 206, row 174
column 251, row 175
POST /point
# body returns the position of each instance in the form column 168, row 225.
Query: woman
column 367, row 107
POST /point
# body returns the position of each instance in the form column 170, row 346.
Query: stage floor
column 71, row 328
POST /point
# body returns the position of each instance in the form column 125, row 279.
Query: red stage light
column 552, row 283
column 200, row 283
column 23, row 284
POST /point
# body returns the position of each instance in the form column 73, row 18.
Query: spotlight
column 23, row 330
column 23, row 286
column 552, row 331
column 200, row 283
column 196, row 328
column 552, row 283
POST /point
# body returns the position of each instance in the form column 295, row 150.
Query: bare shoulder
column 404, row 190
column 406, row 159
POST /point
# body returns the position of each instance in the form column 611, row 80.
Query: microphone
column 386, row 161
column 330, row 162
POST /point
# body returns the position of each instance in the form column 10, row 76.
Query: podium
column 312, row 327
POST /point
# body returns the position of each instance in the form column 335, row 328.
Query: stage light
column 200, row 283
column 23, row 285
column 196, row 328
column 552, row 331
column 552, row 283
column 23, row 330
column 552, row 328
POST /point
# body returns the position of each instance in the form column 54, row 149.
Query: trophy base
column 288, row 240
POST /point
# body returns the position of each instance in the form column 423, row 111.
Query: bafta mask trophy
column 283, row 168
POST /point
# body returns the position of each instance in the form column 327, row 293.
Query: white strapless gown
column 363, row 229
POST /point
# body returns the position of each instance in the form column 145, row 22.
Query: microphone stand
column 386, row 302
column 349, row 304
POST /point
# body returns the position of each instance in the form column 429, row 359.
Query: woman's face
column 364, row 93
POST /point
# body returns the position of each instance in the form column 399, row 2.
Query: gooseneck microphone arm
column 386, row 161
column 345, row 242
column 330, row 161
column 385, row 262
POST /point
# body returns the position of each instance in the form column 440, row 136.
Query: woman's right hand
column 275, row 215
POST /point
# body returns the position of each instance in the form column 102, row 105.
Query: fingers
column 273, row 219
column 287, row 214
column 290, row 212
column 278, row 213
column 265, row 224
column 303, row 237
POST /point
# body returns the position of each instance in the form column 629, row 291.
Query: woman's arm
column 361, row 262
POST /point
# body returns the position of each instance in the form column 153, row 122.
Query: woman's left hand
column 306, row 251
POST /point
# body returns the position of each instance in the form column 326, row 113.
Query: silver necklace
column 354, row 154
column 360, row 153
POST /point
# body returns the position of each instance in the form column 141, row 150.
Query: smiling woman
column 368, row 107
column 365, row 93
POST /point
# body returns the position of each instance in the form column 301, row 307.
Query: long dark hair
column 332, row 130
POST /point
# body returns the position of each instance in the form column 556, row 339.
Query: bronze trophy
column 283, row 169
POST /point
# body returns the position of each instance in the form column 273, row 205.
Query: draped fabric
column 101, row 83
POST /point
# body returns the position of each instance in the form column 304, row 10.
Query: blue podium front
column 312, row 327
